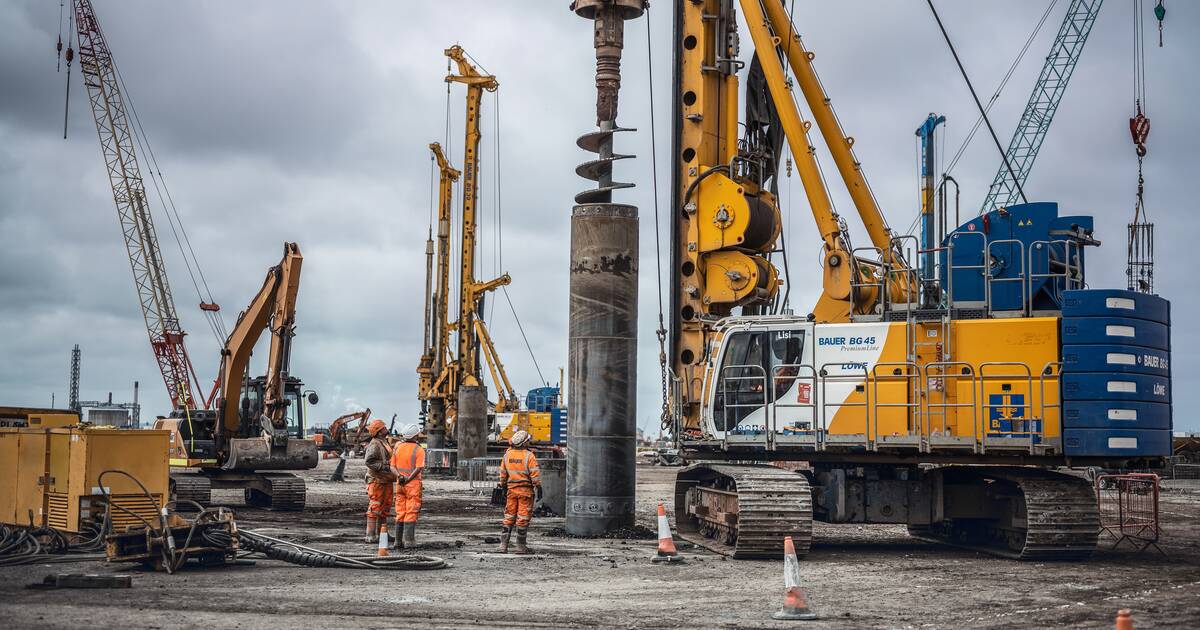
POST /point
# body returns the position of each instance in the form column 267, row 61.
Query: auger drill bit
column 609, row 17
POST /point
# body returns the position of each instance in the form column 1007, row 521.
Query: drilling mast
column 141, row 242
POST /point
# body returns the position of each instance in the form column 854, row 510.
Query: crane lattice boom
column 141, row 242
column 1039, row 111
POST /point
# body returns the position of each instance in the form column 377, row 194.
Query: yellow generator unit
column 16, row 417
column 58, row 478
column 537, row 423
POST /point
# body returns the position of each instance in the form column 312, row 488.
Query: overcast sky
column 309, row 121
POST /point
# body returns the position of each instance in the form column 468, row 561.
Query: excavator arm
column 337, row 428
column 274, row 309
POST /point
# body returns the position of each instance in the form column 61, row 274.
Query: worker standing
column 521, row 478
column 380, row 480
column 408, row 462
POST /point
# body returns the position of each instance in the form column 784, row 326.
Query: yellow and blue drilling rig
column 939, row 384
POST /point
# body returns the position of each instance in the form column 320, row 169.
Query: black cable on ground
column 978, row 104
column 285, row 551
column 37, row 545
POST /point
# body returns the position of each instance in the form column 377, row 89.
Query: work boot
column 390, row 526
column 505, row 534
column 399, row 531
column 522, row 548
column 410, row 535
column 372, row 531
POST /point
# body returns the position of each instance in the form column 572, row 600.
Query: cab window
column 751, row 360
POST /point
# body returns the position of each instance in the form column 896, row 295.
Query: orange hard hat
column 376, row 427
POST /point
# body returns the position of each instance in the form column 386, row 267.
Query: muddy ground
column 857, row 577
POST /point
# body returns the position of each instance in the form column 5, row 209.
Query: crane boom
column 1043, row 103
column 137, row 226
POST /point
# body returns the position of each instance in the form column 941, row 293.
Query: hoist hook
column 1139, row 129
column 1160, row 12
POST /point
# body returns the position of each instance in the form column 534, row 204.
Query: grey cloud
column 309, row 121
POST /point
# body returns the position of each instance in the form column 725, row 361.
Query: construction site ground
column 856, row 577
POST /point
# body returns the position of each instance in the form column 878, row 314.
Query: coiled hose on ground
column 27, row 545
column 294, row 553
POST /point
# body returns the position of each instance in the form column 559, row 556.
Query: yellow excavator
column 255, row 426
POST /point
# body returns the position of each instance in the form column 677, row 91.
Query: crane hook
column 1139, row 129
column 1160, row 12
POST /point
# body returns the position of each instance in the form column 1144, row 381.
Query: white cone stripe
column 664, row 528
column 791, row 571
column 383, row 539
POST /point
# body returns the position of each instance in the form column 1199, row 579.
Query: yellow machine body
column 537, row 423
column 55, row 474
column 16, row 417
column 790, row 380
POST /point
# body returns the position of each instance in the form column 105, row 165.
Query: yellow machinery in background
column 60, row 477
column 17, row 417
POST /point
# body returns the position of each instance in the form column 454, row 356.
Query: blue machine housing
column 1115, row 345
column 1116, row 374
column 546, row 400
column 1027, row 239
column 542, row 399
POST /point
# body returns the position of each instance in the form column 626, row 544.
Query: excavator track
column 190, row 487
column 1051, row 516
column 277, row 491
column 743, row 511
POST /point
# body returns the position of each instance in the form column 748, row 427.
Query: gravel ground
column 857, row 577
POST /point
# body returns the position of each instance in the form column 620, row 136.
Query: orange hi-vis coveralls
column 520, row 474
column 408, row 458
column 380, row 481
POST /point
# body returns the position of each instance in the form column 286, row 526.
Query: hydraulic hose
column 293, row 553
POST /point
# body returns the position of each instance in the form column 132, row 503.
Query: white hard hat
column 521, row 438
column 410, row 431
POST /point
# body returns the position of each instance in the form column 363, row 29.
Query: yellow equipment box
column 55, row 475
column 36, row 418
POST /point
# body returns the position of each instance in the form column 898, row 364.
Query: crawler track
column 1052, row 516
column 743, row 511
column 190, row 487
column 285, row 493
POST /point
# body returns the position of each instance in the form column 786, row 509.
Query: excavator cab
column 251, row 450
column 247, row 449
column 252, row 407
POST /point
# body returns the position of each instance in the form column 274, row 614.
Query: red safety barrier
column 1129, row 509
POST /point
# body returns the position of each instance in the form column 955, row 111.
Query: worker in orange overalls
column 408, row 462
column 380, row 480
column 521, row 478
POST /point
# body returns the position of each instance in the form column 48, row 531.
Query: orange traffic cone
column 383, row 542
column 666, row 544
column 1124, row 620
column 795, row 600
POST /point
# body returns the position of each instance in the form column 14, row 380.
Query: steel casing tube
column 602, row 365
column 470, row 425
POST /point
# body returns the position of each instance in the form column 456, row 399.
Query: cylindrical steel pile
column 470, row 425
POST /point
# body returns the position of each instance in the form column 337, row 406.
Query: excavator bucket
column 259, row 454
